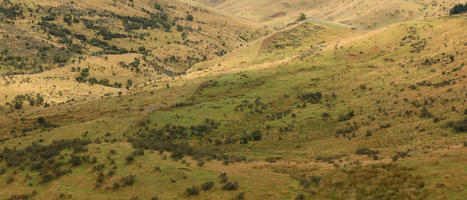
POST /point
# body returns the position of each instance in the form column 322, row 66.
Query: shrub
column 460, row 126
column 10, row 179
column 41, row 121
column 300, row 197
column 207, row 185
column 325, row 115
column 346, row 117
column 223, row 177
column 100, row 178
column 130, row 158
column 301, row 17
column 256, row 135
column 200, row 163
column 138, row 152
column 425, row 113
column 192, row 191
column 312, row 98
column 230, row 186
column 458, row 9
column 366, row 151
column 116, row 186
column 75, row 160
column 128, row 180
column 189, row 17
column 240, row 196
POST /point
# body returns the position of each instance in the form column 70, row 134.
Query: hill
column 357, row 13
column 75, row 50
column 314, row 111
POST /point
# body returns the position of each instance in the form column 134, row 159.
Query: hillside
column 358, row 13
column 118, row 44
column 315, row 110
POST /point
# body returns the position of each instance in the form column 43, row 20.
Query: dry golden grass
column 358, row 13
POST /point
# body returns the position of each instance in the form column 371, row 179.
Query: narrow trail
column 326, row 22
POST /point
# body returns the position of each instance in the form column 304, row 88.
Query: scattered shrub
column 312, row 98
column 230, row 186
column 458, row 9
column 207, row 185
column 240, row 196
column 366, row 151
column 346, row 117
column 300, row 197
column 460, row 126
column 192, row 191
column 425, row 113
column 128, row 180
column 256, row 135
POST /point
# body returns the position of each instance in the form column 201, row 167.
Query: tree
column 207, row 186
column 301, row 17
column 129, row 83
column 256, row 135
column 41, row 120
column 458, row 9
column 193, row 191
column 300, row 197
column 189, row 17
column 230, row 186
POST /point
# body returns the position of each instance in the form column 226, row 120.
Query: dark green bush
column 458, row 9
column 256, row 135
column 312, row 98
column 128, row 180
column 192, row 191
column 366, row 151
column 460, row 126
column 346, row 117
column 207, row 185
column 230, row 186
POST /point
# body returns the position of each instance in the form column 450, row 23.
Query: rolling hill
column 358, row 13
column 112, row 44
column 314, row 110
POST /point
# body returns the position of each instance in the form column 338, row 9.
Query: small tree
column 458, row 9
column 230, row 186
column 207, row 186
column 300, row 197
column 301, row 17
column 189, row 17
column 256, row 135
column 192, row 191
column 129, row 83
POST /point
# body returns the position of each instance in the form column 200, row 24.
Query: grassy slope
column 369, row 73
column 353, row 12
column 57, row 84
